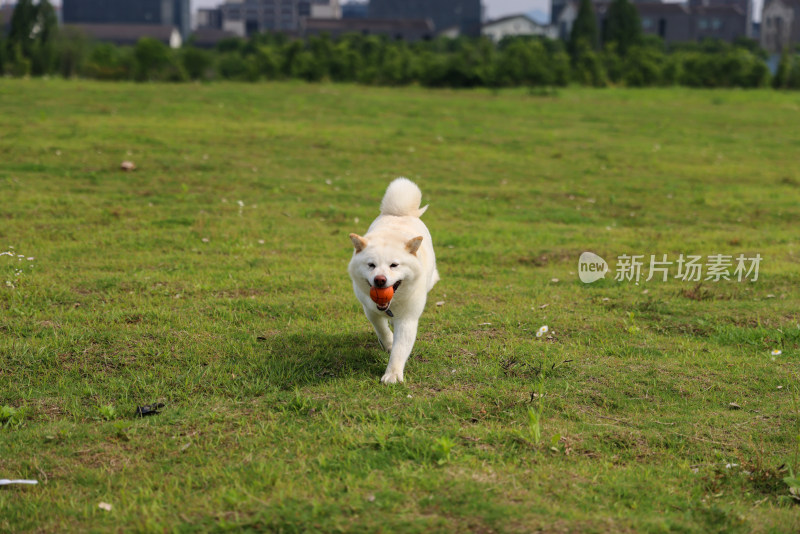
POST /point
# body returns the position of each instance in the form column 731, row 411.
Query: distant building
column 671, row 22
column 726, row 20
column 562, row 15
column 326, row 9
column 512, row 25
column 129, row 34
column 723, row 22
column 780, row 25
column 166, row 13
column 246, row 17
column 398, row 29
column 209, row 37
column 355, row 10
column 711, row 9
column 209, row 18
column 465, row 14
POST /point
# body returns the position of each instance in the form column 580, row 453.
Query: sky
column 494, row 8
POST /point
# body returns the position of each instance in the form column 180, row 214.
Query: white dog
column 396, row 252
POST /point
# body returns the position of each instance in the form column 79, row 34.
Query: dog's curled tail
column 402, row 199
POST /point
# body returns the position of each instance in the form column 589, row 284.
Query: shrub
column 196, row 63
column 72, row 51
column 232, row 66
column 151, row 58
column 108, row 62
column 643, row 67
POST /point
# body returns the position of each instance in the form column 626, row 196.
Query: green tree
column 2, row 56
column 588, row 67
column 781, row 78
column 21, row 28
column 623, row 26
column 584, row 29
column 151, row 56
column 45, row 30
column 196, row 62
column 108, row 62
column 72, row 47
column 31, row 38
column 19, row 45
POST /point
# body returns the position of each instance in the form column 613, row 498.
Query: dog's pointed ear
column 413, row 244
column 358, row 242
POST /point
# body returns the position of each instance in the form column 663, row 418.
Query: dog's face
column 380, row 263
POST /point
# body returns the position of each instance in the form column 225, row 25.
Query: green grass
column 157, row 286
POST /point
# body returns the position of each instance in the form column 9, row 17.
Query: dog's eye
column 393, row 265
column 371, row 265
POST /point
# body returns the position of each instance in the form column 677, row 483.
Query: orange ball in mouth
column 381, row 296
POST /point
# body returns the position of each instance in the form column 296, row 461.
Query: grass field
column 213, row 279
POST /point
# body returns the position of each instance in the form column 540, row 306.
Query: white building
column 506, row 27
column 514, row 25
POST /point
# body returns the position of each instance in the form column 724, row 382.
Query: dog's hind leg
column 381, row 324
column 405, row 333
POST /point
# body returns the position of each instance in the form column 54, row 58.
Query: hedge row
column 532, row 62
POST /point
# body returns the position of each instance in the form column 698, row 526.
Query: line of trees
column 34, row 46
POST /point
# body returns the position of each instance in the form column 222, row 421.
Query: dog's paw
column 392, row 377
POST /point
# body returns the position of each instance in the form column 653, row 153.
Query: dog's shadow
column 291, row 360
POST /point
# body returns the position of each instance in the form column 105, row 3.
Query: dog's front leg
column 381, row 324
column 405, row 333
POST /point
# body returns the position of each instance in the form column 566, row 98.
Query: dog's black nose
column 380, row 280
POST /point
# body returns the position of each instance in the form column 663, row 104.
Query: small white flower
column 328, row 181
column 104, row 506
column 776, row 352
column 205, row 240
column 261, row 241
column 31, row 258
column 241, row 204
column 544, row 329
column 539, row 334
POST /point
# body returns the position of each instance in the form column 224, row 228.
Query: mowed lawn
column 213, row 279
